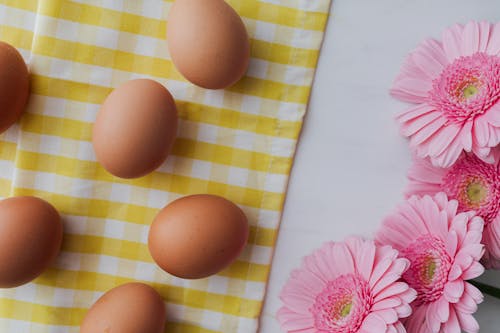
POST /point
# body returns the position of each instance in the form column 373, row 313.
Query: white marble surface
column 351, row 163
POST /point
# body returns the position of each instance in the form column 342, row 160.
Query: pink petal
column 390, row 235
column 428, row 210
column 399, row 327
column 466, row 136
column 388, row 279
column 426, row 133
column 411, row 127
column 408, row 296
column 491, row 237
column 473, row 292
column 415, row 112
column 466, row 304
column 452, row 325
column 432, row 319
column 386, row 303
column 450, row 206
column 403, row 311
column 481, row 133
column 388, row 315
column 374, row 324
column 443, row 139
column 451, row 243
column 296, row 302
column 392, row 290
column 467, row 322
column 453, row 290
column 414, row 322
column 325, row 265
column 304, row 282
column 442, row 309
column 384, row 257
column 492, row 115
column 450, row 155
column 366, row 259
column 423, row 171
column 484, row 35
column 471, row 251
column 291, row 321
column 494, row 42
column 473, row 236
column 494, row 136
column 452, row 41
column 310, row 264
column 485, row 154
column 411, row 89
column 470, row 43
column 430, row 58
column 343, row 258
column 455, row 272
column 475, row 270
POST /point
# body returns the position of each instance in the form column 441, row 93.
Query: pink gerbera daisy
column 456, row 84
column 444, row 250
column 347, row 287
column 475, row 185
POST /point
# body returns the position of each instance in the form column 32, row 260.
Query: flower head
column 347, row 287
column 456, row 86
column 475, row 185
column 444, row 250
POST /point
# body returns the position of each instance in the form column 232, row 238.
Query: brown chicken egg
column 31, row 234
column 208, row 42
column 14, row 85
column 197, row 236
column 135, row 128
column 129, row 308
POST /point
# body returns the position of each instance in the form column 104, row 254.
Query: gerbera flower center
column 476, row 186
column 476, row 192
column 467, row 87
column 469, row 91
column 429, row 267
column 342, row 305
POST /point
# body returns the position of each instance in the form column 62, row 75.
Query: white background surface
column 350, row 168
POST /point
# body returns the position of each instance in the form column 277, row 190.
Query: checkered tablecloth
column 238, row 143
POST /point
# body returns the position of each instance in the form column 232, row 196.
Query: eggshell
column 129, row 308
column 31, row 234
column 135, row 128
column 14, row 85
column 197, row 236
column 208, row 42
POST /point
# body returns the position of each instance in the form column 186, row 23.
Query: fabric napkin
column 238, row 143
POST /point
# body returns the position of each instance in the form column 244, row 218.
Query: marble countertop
column 350, row 154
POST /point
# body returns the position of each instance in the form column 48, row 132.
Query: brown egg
column 197, row 236
column 14, row 85
column 30, row 238
column 208, row 42
column 129, row 308
column 135, row 128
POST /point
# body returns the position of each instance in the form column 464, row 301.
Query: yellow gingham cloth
column 237, row 143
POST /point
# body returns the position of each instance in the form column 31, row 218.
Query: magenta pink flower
column 347, row 287
column 456, row 86
column 444, row 250
column 475, row 185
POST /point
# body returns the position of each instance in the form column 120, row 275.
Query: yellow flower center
column 476, row 192
column 469, row 91
column 346, row 309
column 342, row 308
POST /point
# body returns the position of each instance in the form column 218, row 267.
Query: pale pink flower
column 347, row 287
column 444, row 250
column 456, row 86
column 475, row 185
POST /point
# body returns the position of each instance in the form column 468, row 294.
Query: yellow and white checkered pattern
column 237, row 143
